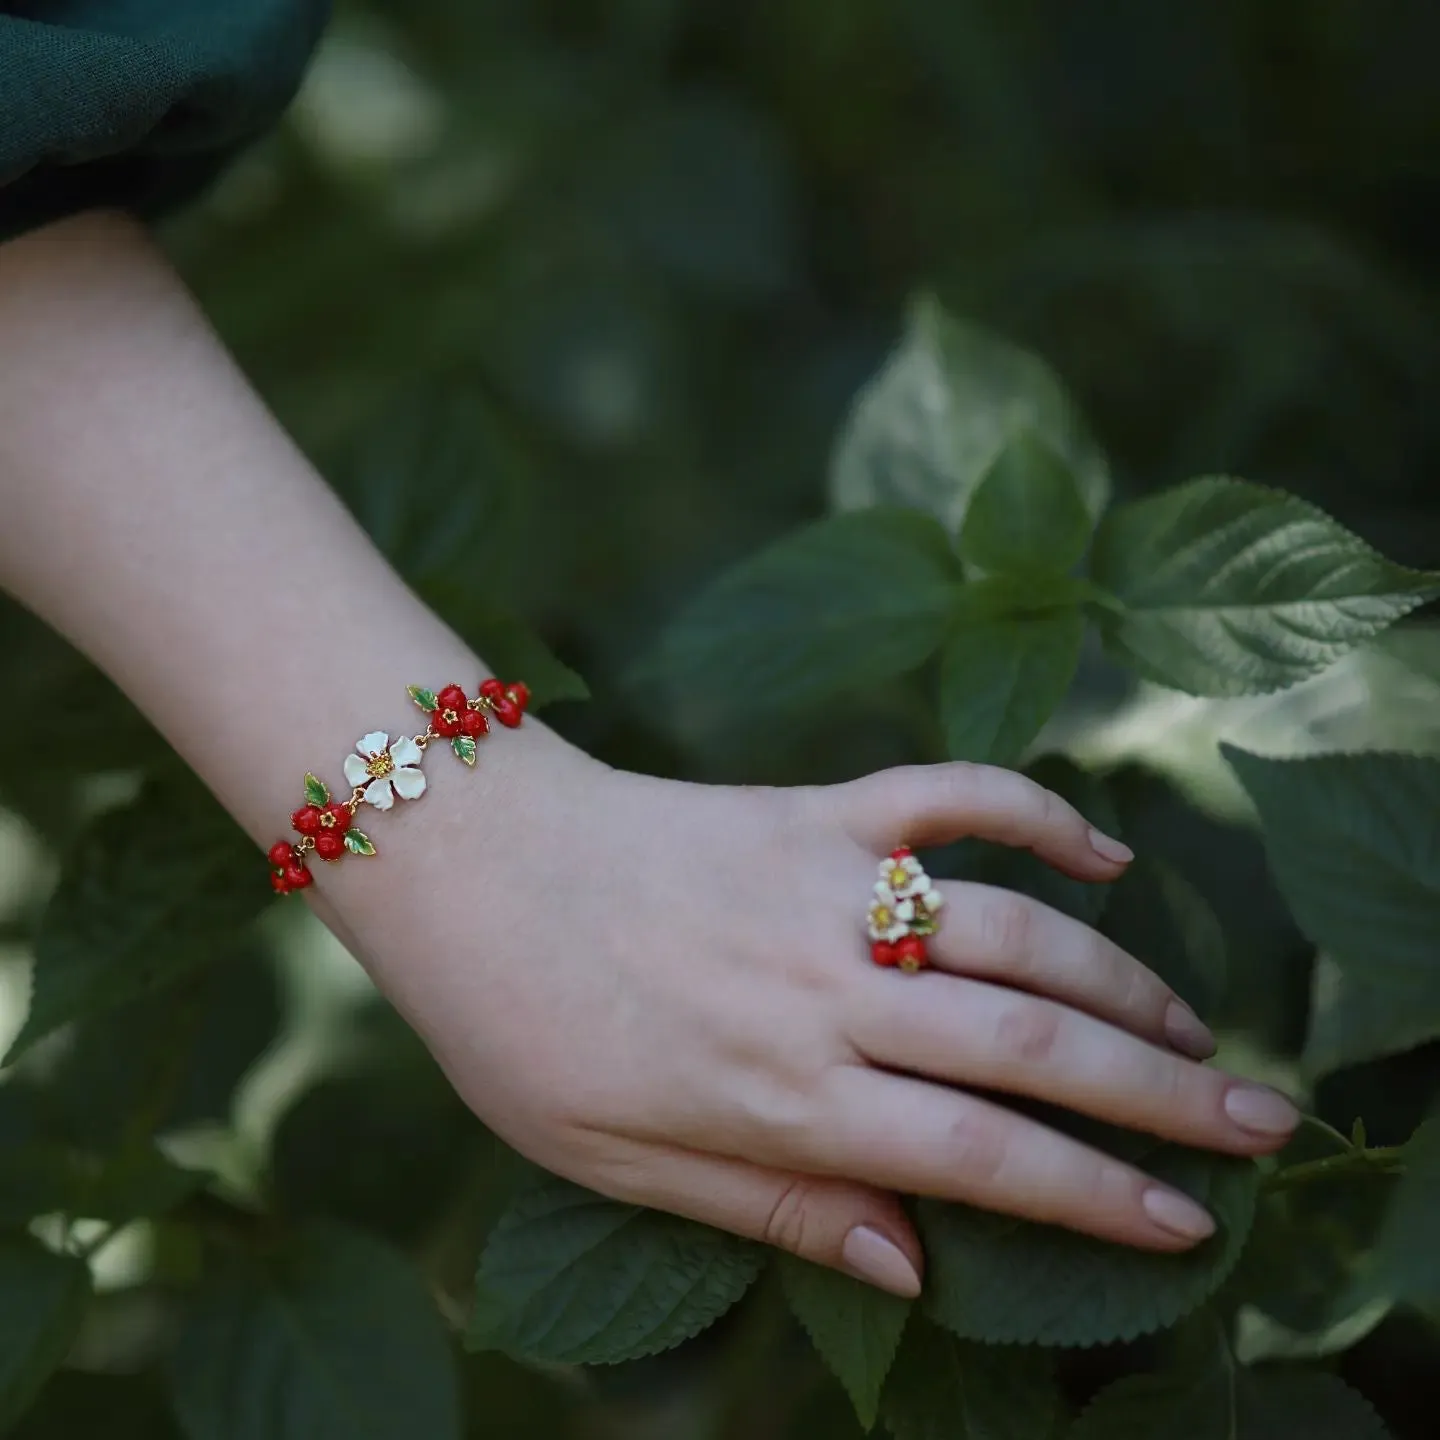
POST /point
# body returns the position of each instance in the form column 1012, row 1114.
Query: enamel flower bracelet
column 380, row 770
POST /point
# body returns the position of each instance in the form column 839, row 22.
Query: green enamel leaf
column 572, row 1277
column 1009, row 1281
column 42, row 1302
column 855, row 1327
column 464, row 747
column 424, row 698
column 1228, row 588
column 357, row 842
column 317, row 792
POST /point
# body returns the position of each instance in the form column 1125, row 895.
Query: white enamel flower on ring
column 385, row 770
column 904, row 875
column 890, row 916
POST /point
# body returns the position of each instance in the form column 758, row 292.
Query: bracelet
column 378, row 771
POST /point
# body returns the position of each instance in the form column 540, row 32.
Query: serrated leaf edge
column 317, row 792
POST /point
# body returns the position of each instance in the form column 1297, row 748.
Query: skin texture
column 693, row 1023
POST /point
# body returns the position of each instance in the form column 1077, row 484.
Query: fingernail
column 1187, row 1033
column 1177, row 1213
column 870, row 1257
column 1261, row 1110
column 1109, row 849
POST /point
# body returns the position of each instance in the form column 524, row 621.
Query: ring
column 904, row 910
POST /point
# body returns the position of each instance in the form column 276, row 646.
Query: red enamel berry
column 910, row 953
column 883, row 953
column 277, row 883
column 280, row 854
column 507, row 712
column 474, row 724
column 306, row 819
column 492, row 689
column 330, row 844
column 519, row 692
column 297, row 877
column 448, row 717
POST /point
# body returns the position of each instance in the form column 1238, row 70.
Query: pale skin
column 660, row 990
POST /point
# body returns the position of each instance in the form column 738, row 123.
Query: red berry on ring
column 492, row 689
column 280, row 854
column 330, row 844
column 883, row 953
column 340, row 817
column 306, row 819
column 452, row 697
column 910, row 953
column 277, row 883
column 900, row 852
column 446, row 723
column 297, row 877
column 519, row 692
column 473, row 723
column 507, row 712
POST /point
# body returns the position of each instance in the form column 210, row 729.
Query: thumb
column 854, row 1228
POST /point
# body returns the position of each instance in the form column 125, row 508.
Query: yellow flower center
column 327, row 821
column 380, row 765
column 450, row 716
column 882, row 917
column 899, row 878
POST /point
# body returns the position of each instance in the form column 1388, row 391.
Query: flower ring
column 382, row 771
column 904, row 909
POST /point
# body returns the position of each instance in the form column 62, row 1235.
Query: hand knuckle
column 1029, row 1031
column 978, row 1149
column 789, row 1217
column 1007, row 924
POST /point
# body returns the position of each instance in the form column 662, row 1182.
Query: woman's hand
column 664, row 992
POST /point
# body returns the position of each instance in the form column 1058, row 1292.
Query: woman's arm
column 660, row 990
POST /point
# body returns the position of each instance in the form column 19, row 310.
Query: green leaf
column 464, row 747
column 942, row 1388
column 1002, row 677
column 1228, row 588
column 1405, row 1264
column 317, row 792
column 424, row 698
column 855, row 1327
column 139, row 1181
column 511, row 649
column 570, row 1276
column 1353, row 1019
column 1157, row 915
column 839, row 606
column 42, row 1302
column 357, row 842
column 1009, row 1281
column 1205, row 1395
column 1019, row 870
column 1354, row 843
column 924, row 432
column 152, row 893
column 78, row 1405
column 1027, row 514
column 329, row 1336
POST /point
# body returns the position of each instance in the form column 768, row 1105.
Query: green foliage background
column 572, row 300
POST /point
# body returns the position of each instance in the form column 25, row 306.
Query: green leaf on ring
column 316, row 790
column 357, row 842
column 424, row 698
column 464, row 747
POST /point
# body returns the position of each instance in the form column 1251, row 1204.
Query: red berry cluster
column 323, row 827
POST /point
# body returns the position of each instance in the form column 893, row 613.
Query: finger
column 935, row 804
column 972, row 1033
column 994, row 934
column 924, row 1139
column 833, row 1222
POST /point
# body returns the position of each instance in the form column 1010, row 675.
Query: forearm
column 153, row 511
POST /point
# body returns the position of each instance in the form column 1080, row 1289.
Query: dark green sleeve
column 137, row 103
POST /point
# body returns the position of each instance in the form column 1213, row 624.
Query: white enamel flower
column 904, row 875
column 890, row 916
column 385, row 770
